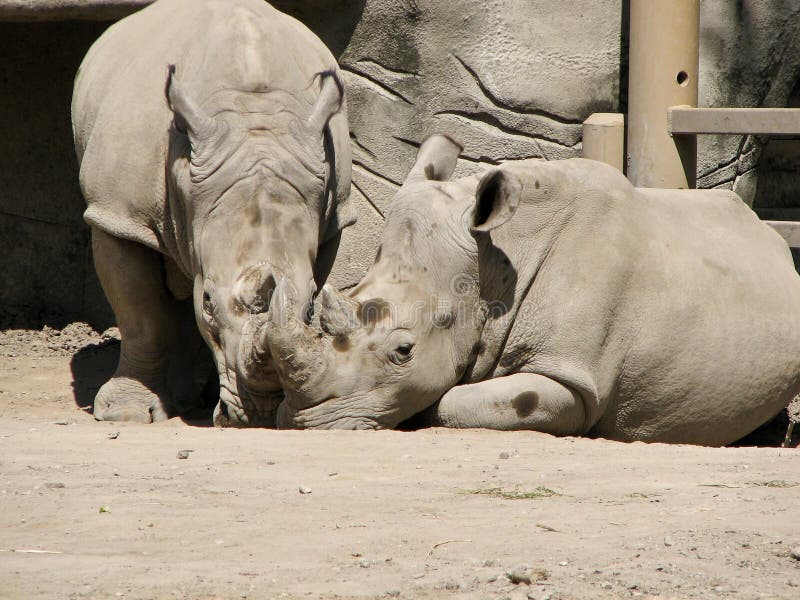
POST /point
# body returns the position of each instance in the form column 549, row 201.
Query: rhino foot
column 126, row 399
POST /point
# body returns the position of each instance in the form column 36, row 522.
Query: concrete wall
column 509, row 78
column 46, row 275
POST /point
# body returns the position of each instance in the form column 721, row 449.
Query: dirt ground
column 103, row 510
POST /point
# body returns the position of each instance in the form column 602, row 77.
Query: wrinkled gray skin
column 553, row 296
column 207, row 181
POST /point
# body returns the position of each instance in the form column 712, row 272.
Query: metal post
column 604, row 139
column 664, row 64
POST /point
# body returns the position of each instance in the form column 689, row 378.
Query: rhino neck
column 509, row 260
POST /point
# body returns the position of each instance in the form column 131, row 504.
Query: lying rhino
column 552, row 296
column 208, row 183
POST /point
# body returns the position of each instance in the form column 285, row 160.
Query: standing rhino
column 552, row 296
column 208, row 181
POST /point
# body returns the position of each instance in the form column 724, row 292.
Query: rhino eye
column 208, row 304
column 401, row 354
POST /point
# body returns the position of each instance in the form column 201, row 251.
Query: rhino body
column 556, row 297
column 214, row 156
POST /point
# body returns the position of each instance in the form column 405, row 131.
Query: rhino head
column 260, row 196
column 409, row 331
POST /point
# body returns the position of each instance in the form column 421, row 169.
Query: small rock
column 364, row 563
column 105, row 509
column 505, row 454
column 491, row 579
column 606, row 585
column 304, row 490
column 183, row 454
column 113, row 435
column 519, row 575
column 418, row 576
column 668, row 542
column 54, row 485
column 795, row 553
column 393, row 593
column 526, row 575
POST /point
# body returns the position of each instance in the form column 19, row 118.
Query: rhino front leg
column 133, row 281
column 515, row 402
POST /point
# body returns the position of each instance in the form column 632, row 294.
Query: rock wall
column 509, row 78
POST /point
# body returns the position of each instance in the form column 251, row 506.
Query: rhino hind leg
column 523, row 401
column 133, row 281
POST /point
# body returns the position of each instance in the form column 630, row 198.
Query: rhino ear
column 329, row 101
column 496, row 201
column 206, row 134
column 189, row 117
column 436, row 159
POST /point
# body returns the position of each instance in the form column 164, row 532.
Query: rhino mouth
column 309, row 418
column 240, row 406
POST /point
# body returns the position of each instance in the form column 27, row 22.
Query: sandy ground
column 100, row 510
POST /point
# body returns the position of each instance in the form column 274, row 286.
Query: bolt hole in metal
column 682, row 78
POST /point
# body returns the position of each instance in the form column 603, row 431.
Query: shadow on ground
column 94, row 364
column 91, row 367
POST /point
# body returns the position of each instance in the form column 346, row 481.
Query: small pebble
column 113, row 435
column 505, row 454
column 364, row 563
column 183, row 454
column 54, row 485
column 519, row 575
column 304, row 490
column 668, row 541
column 795, row 553
column 393, row 593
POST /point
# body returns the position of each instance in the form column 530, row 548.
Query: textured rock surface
column 510, row 78
column 60, row 10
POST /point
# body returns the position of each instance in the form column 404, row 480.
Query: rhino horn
column 296, row 347
column 436, row 160
column 329, row 101
column 338, row 314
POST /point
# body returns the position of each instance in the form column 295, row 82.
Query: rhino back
column 121, row 119
column 713, row 307
column 660, row 307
